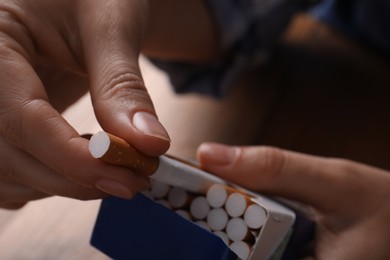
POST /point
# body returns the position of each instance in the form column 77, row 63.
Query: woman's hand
column 50, row 50
column 350, row 201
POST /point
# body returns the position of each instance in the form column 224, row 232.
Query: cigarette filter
column 237, row 230
column 255, row 216
column 178, row 197
column 222, row 235
column 217, row 195
column 241, row 248
column 159, row 189
column 199, row 207
column 217, row 219
column 236, row 204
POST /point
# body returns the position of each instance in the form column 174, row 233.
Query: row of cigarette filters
column 227, row 212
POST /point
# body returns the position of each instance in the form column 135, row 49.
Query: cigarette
column 164, row 203
column 217, row 195
column 114, row 150
column 241, row 249
column 222, row 235
column 178, row 197
column 172, row 171
column 199, row 207
column 159, row 189
column 183, row 213
column 255, row 216
column 217, row 219
column 237, row 230
column 236, row 204
column 202, row 224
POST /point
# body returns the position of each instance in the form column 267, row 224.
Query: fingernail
column 114, row 188
column 148, row 124
column 218, row 154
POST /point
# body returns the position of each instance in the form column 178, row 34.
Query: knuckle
column 13, row 123
column 14, row 34
column 124, row 87
column 271, row 163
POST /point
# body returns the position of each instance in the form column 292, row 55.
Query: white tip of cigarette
column 236, row 229
column 216, row 195
column 255, row 216
column 241, row 249
column 235, row 204
column 223, row 236
column 202, row 224
column 178, row 197
column 159, row 189
column 199, row 207
column 164, row 203
column 183, row 213
column 217, row 219
column 99, row 144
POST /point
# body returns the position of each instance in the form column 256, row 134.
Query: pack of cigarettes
column 188, row 213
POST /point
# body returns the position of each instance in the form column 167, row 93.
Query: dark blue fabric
column 366, row 21
column 142, row 229
column 248, row 28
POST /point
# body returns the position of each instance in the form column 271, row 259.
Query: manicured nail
column 218, row 154
column 148, row 124
column 114, row 188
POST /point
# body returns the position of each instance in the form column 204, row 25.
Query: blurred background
column 321, row 94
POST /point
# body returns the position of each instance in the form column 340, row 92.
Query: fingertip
column 153, row 138
column 148, row 124
column 217, row 155
column 123, row 190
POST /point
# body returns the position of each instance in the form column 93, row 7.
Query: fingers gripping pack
column 187, row 213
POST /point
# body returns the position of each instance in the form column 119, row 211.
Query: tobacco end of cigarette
column 114, row 150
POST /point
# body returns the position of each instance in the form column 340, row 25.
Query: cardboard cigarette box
column 143, row 228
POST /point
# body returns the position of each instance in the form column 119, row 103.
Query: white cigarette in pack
column 217, row 195
column 217, row 219
column 222, row 235
column 199, row 207
column 184, row 213
column 236, row 204
column 237, row 230
column 241, row 249
column 255, row 216
column 178, row 198
column 159, row 189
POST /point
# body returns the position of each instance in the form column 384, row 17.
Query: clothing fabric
column 248, row 30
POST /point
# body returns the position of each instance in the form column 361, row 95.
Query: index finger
column 319, row 182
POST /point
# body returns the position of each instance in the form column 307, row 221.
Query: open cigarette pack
column 188, row 213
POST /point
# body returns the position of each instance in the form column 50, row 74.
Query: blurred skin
column 52, row 52
column 349, row 201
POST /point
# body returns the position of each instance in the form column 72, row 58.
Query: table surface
column 297, row 106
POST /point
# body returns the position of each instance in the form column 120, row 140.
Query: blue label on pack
column 143, row 229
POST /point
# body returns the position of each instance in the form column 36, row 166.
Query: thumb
column 112, row 32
